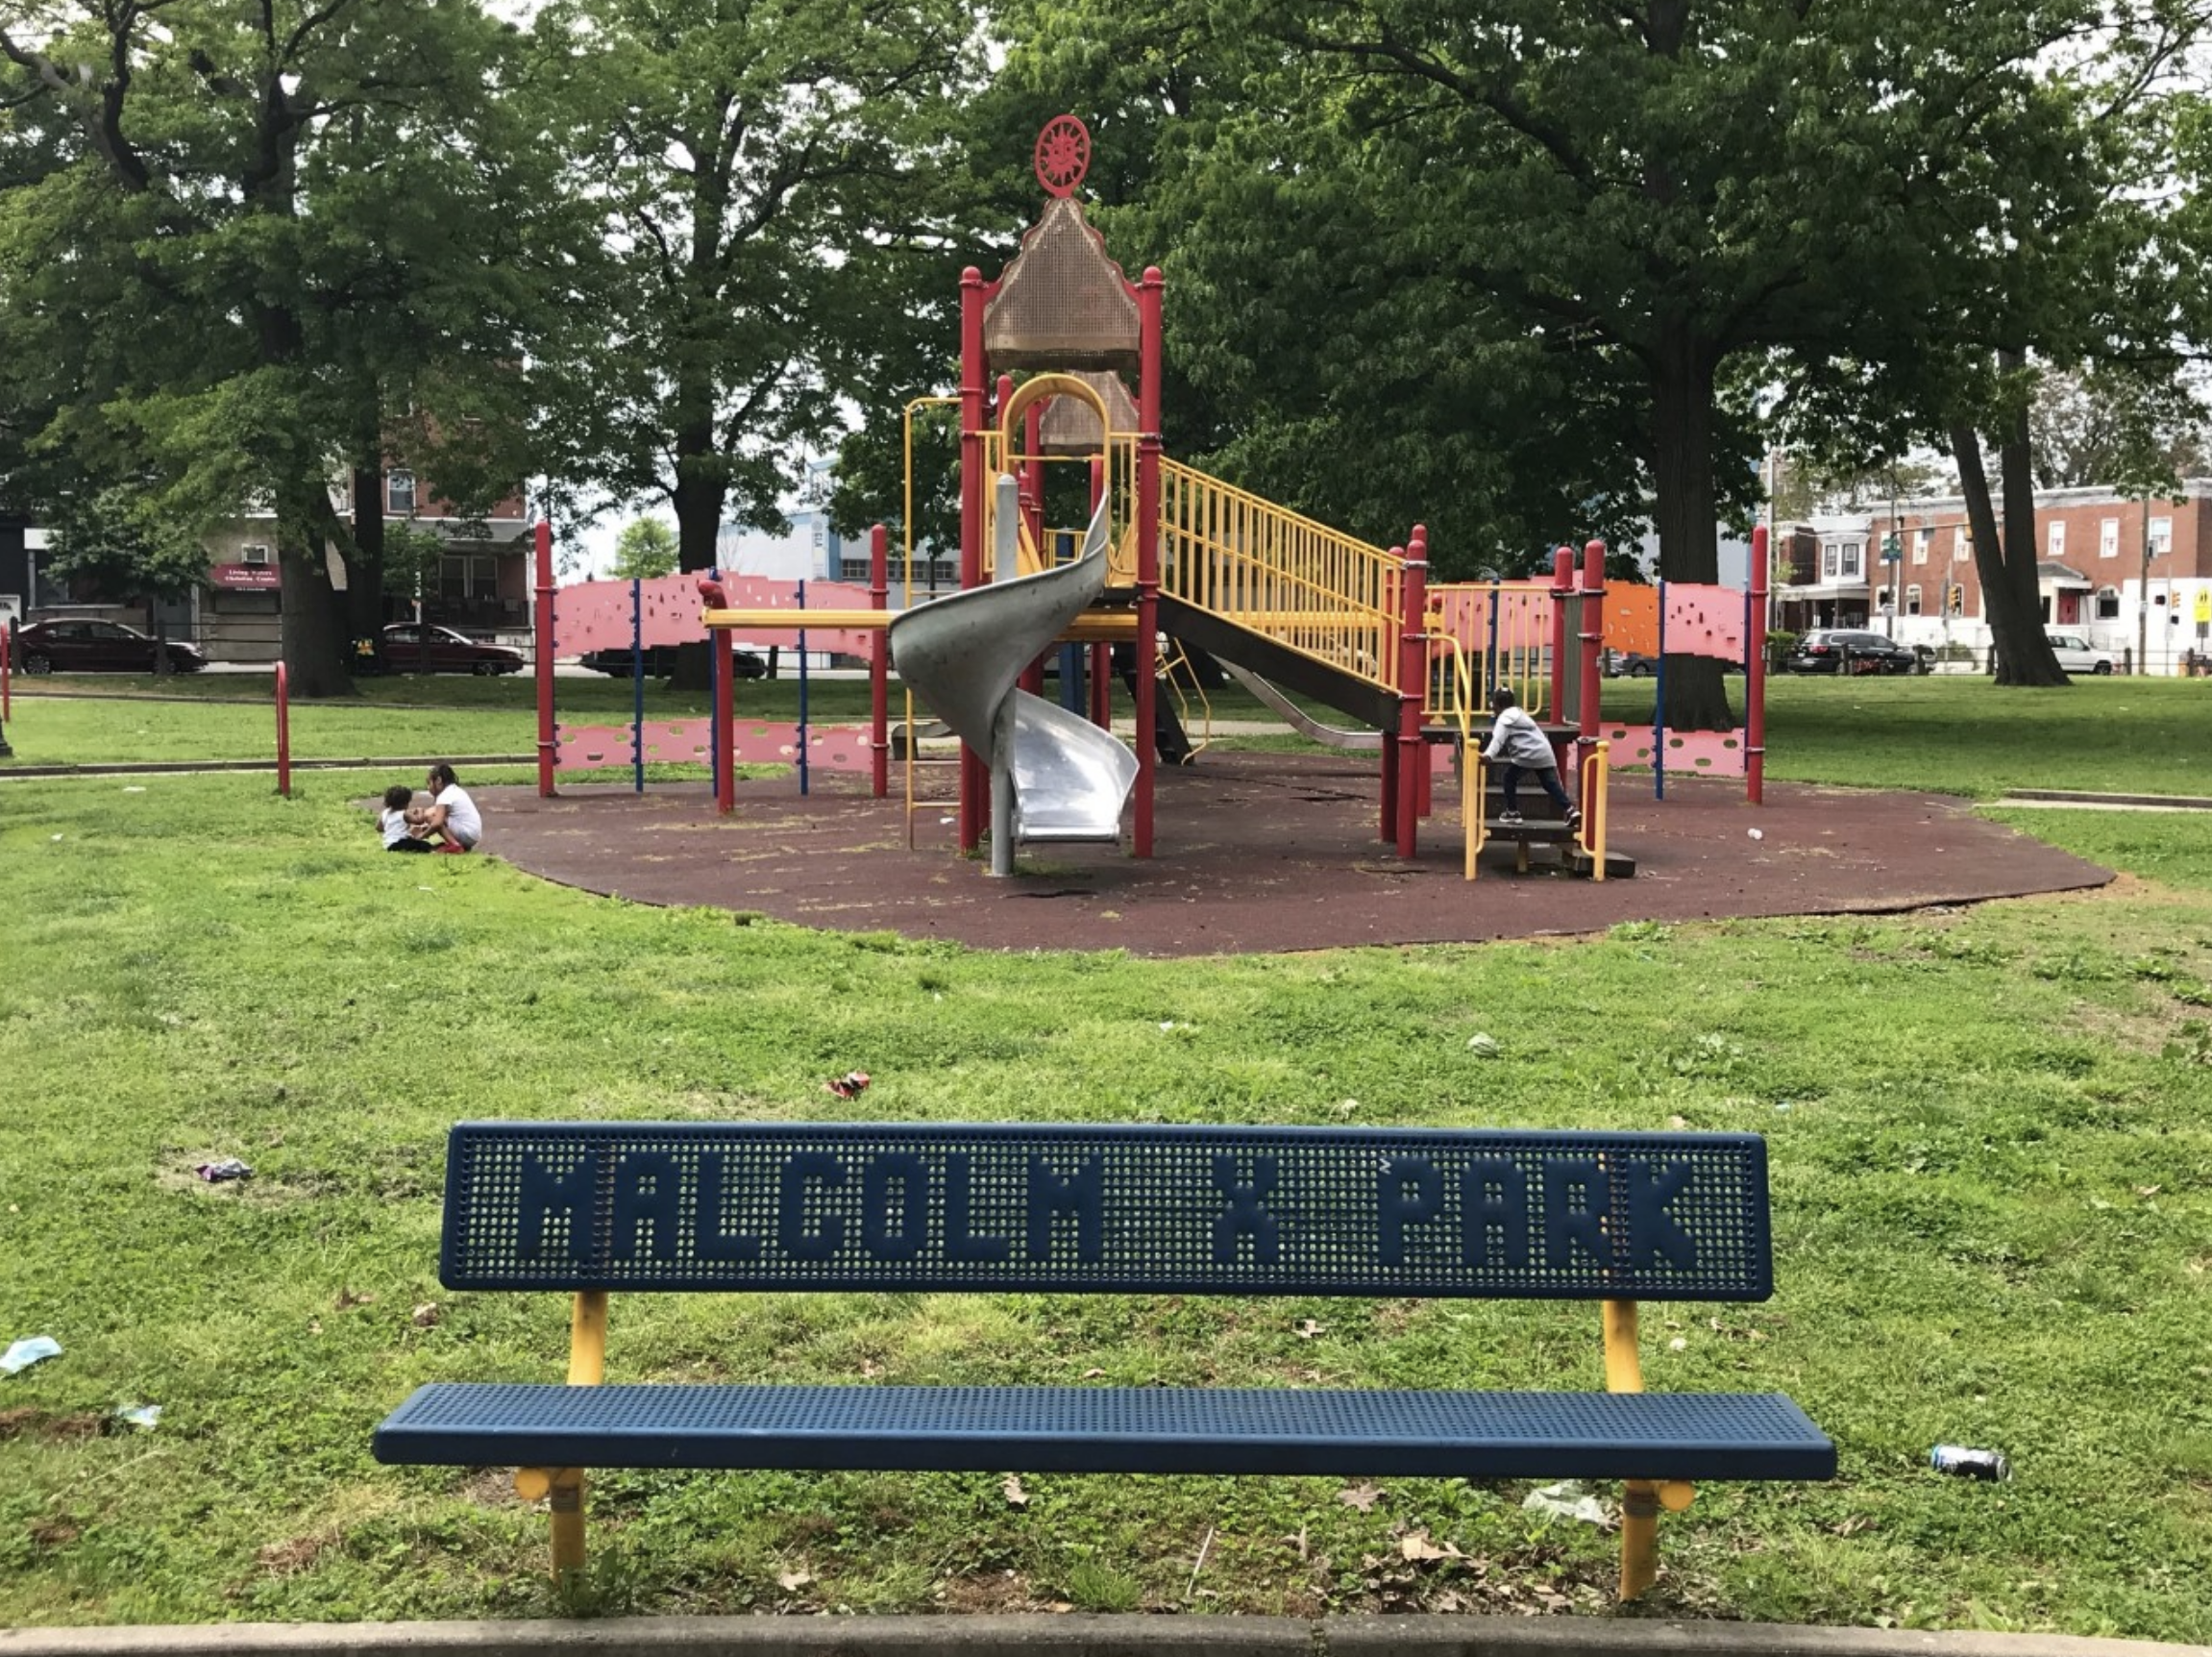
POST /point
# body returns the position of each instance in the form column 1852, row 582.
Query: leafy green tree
column 116, row 542
column 761, row 177
column 259, row 199
column 644, row 549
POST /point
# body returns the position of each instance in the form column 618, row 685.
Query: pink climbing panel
column 595, row 615
column 1703, row 621
column 828, row 747
column 667, row 742
column 1715, row 753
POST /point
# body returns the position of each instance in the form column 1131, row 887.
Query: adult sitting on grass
column 453, row 815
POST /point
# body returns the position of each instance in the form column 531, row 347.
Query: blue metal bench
column 1616, row 1217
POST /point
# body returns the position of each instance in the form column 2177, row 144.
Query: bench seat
column 1105, row 1429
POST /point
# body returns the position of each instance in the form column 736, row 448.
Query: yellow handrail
column 1279, row 574
column 1451, row 698
column 1597, row 783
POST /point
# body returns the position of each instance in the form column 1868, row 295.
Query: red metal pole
column 1032, row 475
column 1149, row 289
column 724, row 644
column 542, row 628
column 7, row 671
column 879, row 658
column 972, row 483
column 1563, row 586
column 1412, row 689
column 1755, row 675
column 1591, row 635
column 1101, row 654
column 283, row 731
column 1387, row 830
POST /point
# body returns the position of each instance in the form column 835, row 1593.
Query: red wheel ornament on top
column 1062, row 155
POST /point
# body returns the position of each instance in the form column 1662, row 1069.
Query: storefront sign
column 252, row 577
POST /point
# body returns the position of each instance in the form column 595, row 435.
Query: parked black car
column 660, row 662
column 95, row 647
column 433, row 648
column 1637, row 665
column 1846, row 650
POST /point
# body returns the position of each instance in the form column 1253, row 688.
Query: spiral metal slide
column 1055, row 778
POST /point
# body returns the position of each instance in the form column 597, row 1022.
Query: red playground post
column 1412, row 689
column 724, row 646
column 283, row 731
column 1150, row 288
column 543, row 625
column 1593, row 634
column 1754, row 675
column 1562, row 589
column 879, row 660
column 1387, row 830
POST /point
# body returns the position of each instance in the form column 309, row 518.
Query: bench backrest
column 1107, row 1210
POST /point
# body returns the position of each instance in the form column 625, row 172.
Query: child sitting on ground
column 401, row 818
column 1516, row 745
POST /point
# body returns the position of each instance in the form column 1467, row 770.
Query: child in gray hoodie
column 1516, row 745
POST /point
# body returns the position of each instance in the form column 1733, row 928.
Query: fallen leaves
column 1015, row 1496
column 1310, row 1330
column 425, row 1315
column 1417, row 1545
column 1362, row 1497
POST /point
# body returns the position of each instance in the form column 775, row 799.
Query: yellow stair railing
column 1304, row 585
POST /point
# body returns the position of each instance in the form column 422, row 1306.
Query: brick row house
column 482, row 587
column 2107, row 566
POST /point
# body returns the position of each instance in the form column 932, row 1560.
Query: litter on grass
column 142, row 1416
column 850, row 1085
column 1568, row 1500
column 228, row 1167
column 31, row 1349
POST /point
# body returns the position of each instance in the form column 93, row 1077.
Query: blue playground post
column 637, row 685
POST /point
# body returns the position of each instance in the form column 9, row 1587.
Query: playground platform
column 1265, row 853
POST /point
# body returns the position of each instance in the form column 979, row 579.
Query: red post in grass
column 1562, row 588
column 1591, row 635
column 1755, row 675
column 283, row 731
column 1412, row 689
column 7, row 671
column 542, row 627
column 879, row 660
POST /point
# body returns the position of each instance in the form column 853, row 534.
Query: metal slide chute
column 1055, row 776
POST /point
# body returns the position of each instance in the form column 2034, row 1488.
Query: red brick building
column 2100, row 556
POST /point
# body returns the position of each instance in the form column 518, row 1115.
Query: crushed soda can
column 228, row 1167
column 850, row 1085
column 1987, row 1464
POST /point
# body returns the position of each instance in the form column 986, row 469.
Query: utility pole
column 2142, row 598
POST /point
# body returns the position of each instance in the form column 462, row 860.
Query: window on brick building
column 2108, row 603
column 1827, row 563
column 1922, row 540
column 1962, row 546
column 1912, row 599
column 2108, row 539
column 400, row 494
column 2054, row 537
column 2161, row 536
column 1850, row 569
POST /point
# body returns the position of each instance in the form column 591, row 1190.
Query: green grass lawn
column 1992, row 1165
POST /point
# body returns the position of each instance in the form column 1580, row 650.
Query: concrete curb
column 209, row 767
column 1063, row 1637
column 2072, row 796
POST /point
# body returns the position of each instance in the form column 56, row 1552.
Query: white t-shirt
column 394, row 823
column 463, row 822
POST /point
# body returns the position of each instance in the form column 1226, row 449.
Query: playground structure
column 1288, row 605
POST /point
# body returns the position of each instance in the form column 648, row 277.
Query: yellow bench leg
column 1640, row 1537
column 568, row 1549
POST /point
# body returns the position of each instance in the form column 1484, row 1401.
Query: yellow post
column 1597, row 784
column 586, row 1368
column 1639, row 1497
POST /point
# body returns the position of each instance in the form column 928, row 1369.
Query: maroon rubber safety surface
column 1266, row 852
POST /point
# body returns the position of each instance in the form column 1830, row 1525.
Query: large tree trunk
column 315, row 640
column 2006, row 565
column 1683, row 511
column 700, row 489
column 365, row 573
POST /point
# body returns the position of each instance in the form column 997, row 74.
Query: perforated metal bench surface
column 1098, row 1429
